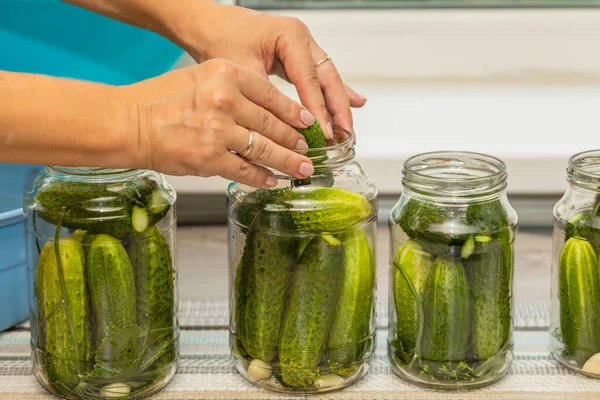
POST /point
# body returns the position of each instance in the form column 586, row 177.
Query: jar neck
column 333, row 157
column 453, row 176
column 583, row 171
column 91, row 173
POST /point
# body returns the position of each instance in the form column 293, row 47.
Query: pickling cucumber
column 111, row 285
column 585, row 225
column 350, row 333
column 490, row 299
column 579, row 298
column 446, row 312
column 315, row 139
column 314, row 293
column 155, row 294
column 434, row 228
column 415, row 264
column 62, row 298
column 119, row 209
column 262, row 281
column 327, row 209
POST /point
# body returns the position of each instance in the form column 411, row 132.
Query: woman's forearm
column 47, row 120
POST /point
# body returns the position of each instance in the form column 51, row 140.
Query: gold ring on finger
column 251, row 143
column 323, row 61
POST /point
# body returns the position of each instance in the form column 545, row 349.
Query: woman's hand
column 191, row 121
column 272, row 44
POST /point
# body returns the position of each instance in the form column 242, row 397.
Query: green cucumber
column 92, row 207
column 415, row 264
column 434, row 228
column 111, row 285
column 315, row 138
column 446, row 313
column 62, row 297
column 120, row 209
column 586, row 226
column 489, row 217
column 490, row 300
column 350, row 333
column 314, row 293
column 155, row 293
column 327, row 209
column 579, row 298
column 253, row 202
column 261, row 284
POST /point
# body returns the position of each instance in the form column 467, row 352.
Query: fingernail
column 306, row 169
column 362, row 97
column 307, row 118
column 301, row 145
column 329, row 130
column 271, row 181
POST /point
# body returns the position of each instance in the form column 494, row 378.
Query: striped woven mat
column 206, row 370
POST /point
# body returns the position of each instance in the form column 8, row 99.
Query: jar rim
column 499, row 164
column 89, row 171
column 454, row 174
column 579, row 165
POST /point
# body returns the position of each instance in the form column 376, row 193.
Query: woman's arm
column 46, row 120
column 263, row 42
column 191, row 121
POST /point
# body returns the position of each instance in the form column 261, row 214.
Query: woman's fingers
column 252, row 116
column 334, row 91
column 238, row 169
column 261, row 91
column 356, row 100
column 270, row 154
column 293, row 50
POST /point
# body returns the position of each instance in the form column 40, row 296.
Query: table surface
column 207, row 372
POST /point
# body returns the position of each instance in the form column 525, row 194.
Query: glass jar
column 451, row 271
column 575, row 308
column 104, row 311
column 302, row 275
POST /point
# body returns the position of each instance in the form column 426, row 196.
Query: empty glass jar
column 575, row 313
column 451, row 274
column 102, row 278
column 302, row 276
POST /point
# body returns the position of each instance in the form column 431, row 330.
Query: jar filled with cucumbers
column 575, row 311
column 302, row 273
column 451, row 272
column 102, row 278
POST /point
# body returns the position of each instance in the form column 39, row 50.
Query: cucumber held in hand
column 350, row 333
column 446, row 313
column 415, row 264
column 155, row 294
column 327, row 209
column 315, row 139
column 111, row 285
column 491, row 299
column 314, row 293
column 261, row 284
column 579, row 297
column 62, row 297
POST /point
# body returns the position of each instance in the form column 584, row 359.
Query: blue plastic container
column 15, row 180
column 54, row 38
